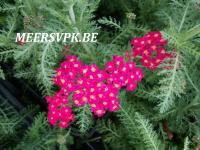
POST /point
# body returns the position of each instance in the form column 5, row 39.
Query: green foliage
column 126, row 115
column 186, row 144
column 147, row 135
column 173, row 81
column 11, row 122
column 40, row 136
column 110, row 129
column 172, row 84
column 149, row 12
column 73, row 17
column 139, row 129
column 36, row 135
column 1, row 73
column 165, row 95
column 84, row 118
column 9, row 118
column 114, row 135
column 112, row 22
column 126, row 32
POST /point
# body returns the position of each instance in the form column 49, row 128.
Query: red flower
column 151, row 49
column 89, row 85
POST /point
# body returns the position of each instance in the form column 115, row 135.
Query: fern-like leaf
column 126, row 115
column 8, row 118
column 45, row 69
column 36, row 135
column 40, row 136
column 84, row 118
column 170, row 84
column 148, row 136
column 112, row 22
column 2, row 76
column 109, row 128
column 114, row 134
column 186, row 144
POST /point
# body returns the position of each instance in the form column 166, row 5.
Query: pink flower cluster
column 151, row 49
column 59, row 109
column 87, row 84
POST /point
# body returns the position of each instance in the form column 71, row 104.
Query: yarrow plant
column 151, row 48
column 145, row 100
column 87, row 84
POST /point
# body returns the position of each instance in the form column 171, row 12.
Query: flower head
column 151, row 49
